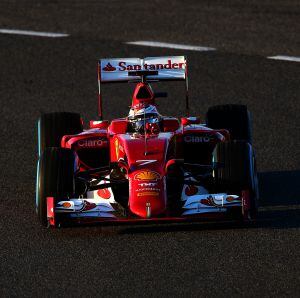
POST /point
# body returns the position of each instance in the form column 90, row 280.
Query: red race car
column 146, row 167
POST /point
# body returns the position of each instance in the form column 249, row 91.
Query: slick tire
column 55, row 178
column 233, row 117
column 175, row 182
column 236, row 170
column 53, row 126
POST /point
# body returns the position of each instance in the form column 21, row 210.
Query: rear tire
column 233, row 117
column 237, row 171
column 55, row 178
column 53, row 126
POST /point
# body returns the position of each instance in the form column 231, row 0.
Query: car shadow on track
column 279, row 188
column 279, row 207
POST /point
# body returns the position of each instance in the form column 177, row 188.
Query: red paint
column 170, row 124
column 99, row 124
column 190, row 120
column 146, row 182
column 109, row 67
column 130, row 150
column 104, row 193
column 50, row 211
column 191, row 190
column 88, row 206
column 246, row 204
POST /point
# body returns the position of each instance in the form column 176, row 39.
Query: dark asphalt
column 43, row 74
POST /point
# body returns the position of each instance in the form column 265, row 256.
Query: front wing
column 95, row 209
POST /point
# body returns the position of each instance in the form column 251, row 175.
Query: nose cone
column 148, row 206
column 147, row 197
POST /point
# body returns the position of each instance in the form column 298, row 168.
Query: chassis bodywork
column 160, row 175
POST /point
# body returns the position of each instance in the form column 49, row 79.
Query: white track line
column 33, row 33
column 286, row 58
column 169, row 45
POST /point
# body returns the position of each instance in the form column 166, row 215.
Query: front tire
column 53, row 126
column 55, row 178
column 233, row 117
column 237, row 171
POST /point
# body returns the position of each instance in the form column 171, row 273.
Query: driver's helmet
column 139, row 117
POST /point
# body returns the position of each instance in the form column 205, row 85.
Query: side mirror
column 160, row 94
column 99, row 124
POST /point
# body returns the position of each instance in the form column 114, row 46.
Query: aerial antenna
column 187, row 107
column 145, row 134
column 100, row 113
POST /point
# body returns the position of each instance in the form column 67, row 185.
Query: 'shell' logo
column 109, row 67
column 147, row 176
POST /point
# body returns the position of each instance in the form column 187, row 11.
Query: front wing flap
column 100, row 210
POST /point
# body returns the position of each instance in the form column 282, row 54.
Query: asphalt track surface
column 43, row 74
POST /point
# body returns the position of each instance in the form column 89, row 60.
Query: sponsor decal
column 148, row 189
column 109, row 67
column 191, row 190
column 148, row 193
column 147, row 176
column 92, row 143
column 209, row 201
column 147, row 184
column 124, row 66
column 66, row 205
column 104, row 193
column 197, row 139
column 88, row 206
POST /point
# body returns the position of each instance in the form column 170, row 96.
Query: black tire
column 174, row 183
column 237, row 170
column 55, row 178
column 53, row 126
column 233, row 117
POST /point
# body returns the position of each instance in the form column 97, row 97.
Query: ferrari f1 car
column 146, row 167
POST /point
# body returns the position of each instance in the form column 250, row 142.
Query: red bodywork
column 144, row 156
column 130, row 170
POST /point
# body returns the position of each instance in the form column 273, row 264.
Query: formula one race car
column 146, row 167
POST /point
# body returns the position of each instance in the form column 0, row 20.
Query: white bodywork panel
column 197, row 200
column 98, row 203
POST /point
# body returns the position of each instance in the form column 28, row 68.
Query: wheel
column 55, row 178
column 174, row 183
column 120, row 191
column 237, row 171
column 53, row 126
column 235, row 118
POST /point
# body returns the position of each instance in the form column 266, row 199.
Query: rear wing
column 150, row 69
